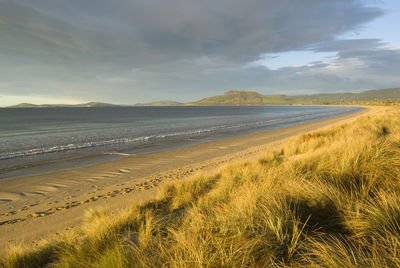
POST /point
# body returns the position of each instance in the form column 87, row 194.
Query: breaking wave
column 132, row 140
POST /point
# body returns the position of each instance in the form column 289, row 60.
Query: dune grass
column 329, row 198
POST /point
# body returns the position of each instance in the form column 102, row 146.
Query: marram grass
column 329, row 198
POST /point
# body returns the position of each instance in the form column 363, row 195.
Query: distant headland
column 251, row 98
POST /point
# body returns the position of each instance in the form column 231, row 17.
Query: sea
column 41, row 140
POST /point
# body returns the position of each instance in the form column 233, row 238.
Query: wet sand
column 36, row 207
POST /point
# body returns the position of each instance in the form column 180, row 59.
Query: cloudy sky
column 129, row 51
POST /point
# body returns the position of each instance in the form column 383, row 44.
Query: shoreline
column 54, row 161
column 40, row 206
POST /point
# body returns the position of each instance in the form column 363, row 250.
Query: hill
column 239, row 98
column 93, row 104
column 370, row 95
column 25, row 105
column 251, row 98
column 89, row 104
column 160, row 103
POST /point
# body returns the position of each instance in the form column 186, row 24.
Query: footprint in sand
column 9, row 213
column 39, row 214
column 11, row 221
column 28, row 206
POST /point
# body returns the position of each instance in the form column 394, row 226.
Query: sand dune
column 39, row 206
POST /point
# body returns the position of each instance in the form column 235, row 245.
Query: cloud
column 235, row 30
column 131, row 50
column 347, row 45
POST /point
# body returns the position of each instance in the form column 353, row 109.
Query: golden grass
column 329, row 198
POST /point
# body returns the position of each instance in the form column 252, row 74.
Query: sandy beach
column 36, row 207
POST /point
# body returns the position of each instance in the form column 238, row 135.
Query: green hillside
column 254, row 98
column 379, row 94
column 243, row 98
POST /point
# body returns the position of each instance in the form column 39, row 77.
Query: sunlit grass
column 329, row 198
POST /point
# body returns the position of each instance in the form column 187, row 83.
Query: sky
column 130, row 51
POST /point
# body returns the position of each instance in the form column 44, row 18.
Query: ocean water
column 34, row 141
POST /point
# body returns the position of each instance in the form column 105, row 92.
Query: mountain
column 160, row 103
column 94, row 104
column 240, row 98
column 251, row 98
column 89, row 104
column 25, row 105
column 243, row 98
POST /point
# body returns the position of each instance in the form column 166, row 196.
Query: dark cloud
column 157, row 49
column 157, row 30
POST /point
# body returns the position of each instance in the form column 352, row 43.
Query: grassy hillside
column 254, row 98
column 329, row 198
column 243, row 98
column 370, row 95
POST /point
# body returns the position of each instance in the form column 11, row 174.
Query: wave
column 279, row 121
column 131, row 140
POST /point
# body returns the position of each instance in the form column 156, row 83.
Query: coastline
column 53, row 155
column 37, row 206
